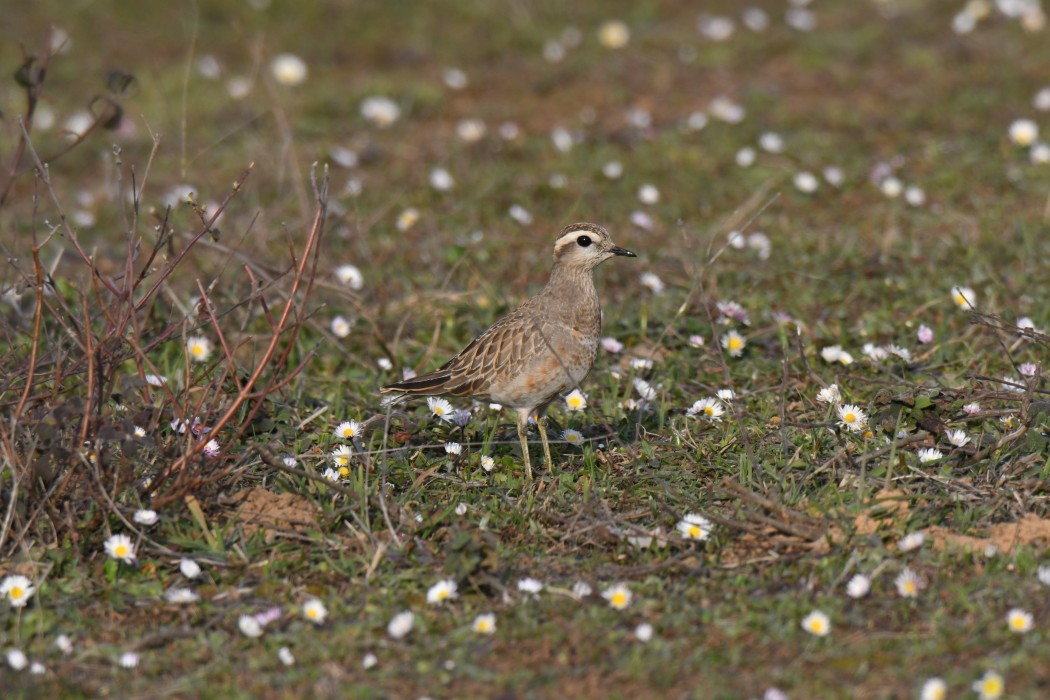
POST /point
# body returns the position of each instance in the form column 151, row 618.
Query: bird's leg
column 523, row 427
column 542, row 423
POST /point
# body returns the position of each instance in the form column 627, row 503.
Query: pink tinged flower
column 924, row 334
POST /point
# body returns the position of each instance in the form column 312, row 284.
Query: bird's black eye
column 584, row 241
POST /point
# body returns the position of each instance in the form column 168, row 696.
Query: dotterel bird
column 540, row 350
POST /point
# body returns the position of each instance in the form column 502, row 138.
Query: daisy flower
column 611, row 345
column 369, row 660
column 929, row 454
column 725, row 395
column 484, row 624
column 471, row 130
column 652, row 282
column 734, row 343
column 199, row 348
column 972, row 408
column 16, row 659
column 852, row 418
column 694, row 527
column 288, row 69
column 341, row 456
column 829, row 394
column 488, row 463
column 806, row 182
column 17, row 589
column 348, row 430
column 817, row 623
column 453, row 448
column 648, row 194
column 745, row 157
column 832, row 353
column 441, row 180
column 990, row 686
column 908, row 583
column 249, row 626
column 614, row 34
column 145, row 516
column 350, row 275
column 575, row 400
column 912, row 541
column 1023, row 132
column 211, row 448
column 1043, row 574
column 709, row 408
column 914, row 196
column 441, row 408
column 340, row 327
column 934, row 689
column 925, row 336
column 128, row 659
column 400, row 624
column 964, row 297
column 645, row 390
column 858, row 586
column 284, row 655
column 618, row 595
column 64, row 644
column 958, row 438
column 891, row 187
column 581, row 589
column 441, row 591
column 573, row 437
column 697, row 341
column 530, row 585
column 315, row 611
column 643, row 632
column 381, row 111
column 120, row 547
column 331, row 474
column 1019, row 621
column 178, row 595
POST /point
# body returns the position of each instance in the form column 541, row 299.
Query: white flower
column 726, row 110
column 834, row 176
column 128, row 659
column 453, row 448
column 817, row 623
column 696, row 121
column 341, row 456
column 1039, row 153
column 912, row 541
column 37, row 668
column 488, row 463
column 858, row 586
column 238, row 87
column 771, row 142
column 875, row 353
column 441, row 591
column 645, row 390
column 611, row 345
column 643, row 632
column 648, row 194
column 155, row 380
column 484, row 624
column 441, row 180
column 401, row 624
column 315, row 611
column 613, row 169
column 562, row 140
column 852, row 418
column 573, row 437
column 614, row 34
column 575, row 400
column 964, row 297
column 471, row 130
column 211, row 448
column 347, row 430
column 934, row 689
column 461, row 508
column 581, row 589
column 1043, row 574
column 530, row 585
column 1023, row 132
column 249, row 626
column 120, row 547
column 726, row 395
column 972, row 408
column 914, row 196
column 368, row 661
column 178, row 595
column 694, row 527
column 990, row 686
column 455, row 78
column 745, row 157
column 288, row 69
column 708, row 408
column 350, row 275
column 64, row 644
column 908, row 583
column 331, row 474
column 806, row 182
column 829, row 394
column 17, row 589
column 891, row 187
column 832, row 353
column 381, row 111
column 929, row 454
column 641, row 363
column 284, row 655
column 340, row 327
column 958, row 438
column 441, row 408
column 1019, row 621
column 653, row 282
column 734, row 343
column 697, row 341
column 618, row 595
column 16, row 659
column 199, row 348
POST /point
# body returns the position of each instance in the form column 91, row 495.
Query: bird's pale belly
column 544, row 377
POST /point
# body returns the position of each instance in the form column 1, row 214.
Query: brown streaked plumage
column 540, row 350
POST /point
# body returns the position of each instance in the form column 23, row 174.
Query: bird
column 542, row 349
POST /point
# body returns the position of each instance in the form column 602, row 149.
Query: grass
column 799, row 505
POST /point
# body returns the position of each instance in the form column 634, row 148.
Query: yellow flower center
column 817, row 626
column 909, row 587
column 121, row 550
column 735, row 343
column 483, row 626
column 442, row 594
column 992, row 687
column 312, row 613
column 619, row 599
column 344, row 472
column 694, row 531
column 709, row 410
column 16, row 593
column 849, row 418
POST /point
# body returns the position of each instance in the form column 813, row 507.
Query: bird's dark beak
column 617, row 250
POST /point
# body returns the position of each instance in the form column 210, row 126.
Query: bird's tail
column 426, row 384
